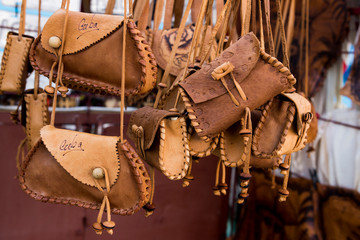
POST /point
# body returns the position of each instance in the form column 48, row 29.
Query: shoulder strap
column 169, row 7
column 22, row 19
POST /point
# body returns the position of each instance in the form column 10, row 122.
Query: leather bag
column 15, row 66
column 92, row 54
column 162, row 140
column 283, row 126
column 260, row 76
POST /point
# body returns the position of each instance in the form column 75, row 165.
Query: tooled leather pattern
column 138, row 170
column 147, row 62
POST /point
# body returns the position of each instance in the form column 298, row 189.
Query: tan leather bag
column 92, row 54
column 161, row 138
column 283, row 126
column 15, row 66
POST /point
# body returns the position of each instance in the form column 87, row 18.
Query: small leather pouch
column 60, row 169
column 161, row 138
column 15, row 66
column 93, row 54
column 35, row 115
column 243, row 76
column 283, row 126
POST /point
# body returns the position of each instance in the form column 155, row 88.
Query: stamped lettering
column 86, row 26
column 70, row 146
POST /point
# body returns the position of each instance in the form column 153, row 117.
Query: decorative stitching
column 213, row 144
column 146, row 59
column 264, row 56
column 185, row 141
column 5, row 57
column 138, row 170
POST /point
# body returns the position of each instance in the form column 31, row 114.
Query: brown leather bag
column 283, row 126
column 260, row 76
column 15, row 67
column 162, row 140
column 92, row 54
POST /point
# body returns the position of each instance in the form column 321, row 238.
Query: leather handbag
column 162, row 140
column 92, row 55
column 15, row 66
column 242, row 76
column 283, row 126
column 87, row 170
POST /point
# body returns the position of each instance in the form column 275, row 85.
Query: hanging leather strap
column 262, row 41
column 195, row 10
column 159, row 8
column 110, row 7
column 169, row 7
column 139, row 8
column 306, row 81
column 268, row 27
column 173, row 52
column 37, row 77
column 284, row 9
column 290, row 27
column 224, row 29
column 282, row 33
column 122, row 107
column 246, row 14
column 22, row 19
column 178, row 12
column 143, row 18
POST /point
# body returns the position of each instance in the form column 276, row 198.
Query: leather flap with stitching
column 149, row 119
column 83, row 29
column 79, row 153
column 302, row 106
column 243, row 54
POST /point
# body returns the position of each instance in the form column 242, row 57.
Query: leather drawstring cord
column 165, row 78
column 37, row 76
column 220, row 187
column 284, row 193
column 123, row 76
column 108, row 225
column 245, row 176
column 188, row 176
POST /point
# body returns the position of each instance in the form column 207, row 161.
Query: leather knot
column 222, row 70
column 138, row 131
column 307, row 116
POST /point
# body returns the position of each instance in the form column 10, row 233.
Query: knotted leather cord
column 60, row 63
column 165, row 77
column 22, row 20
column 37, row 76
column 105, row 201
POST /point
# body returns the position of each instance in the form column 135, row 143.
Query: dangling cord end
column 223, row 186
column 216, row 189
column 284, row 193
column 245, row 175
column 98, row 226
column 188, row 178
column 150, row 207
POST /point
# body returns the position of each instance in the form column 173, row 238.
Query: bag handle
column 22, row 19
column 37, row 77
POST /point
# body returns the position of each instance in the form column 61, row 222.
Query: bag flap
column 149, row 119
column 83, row 29
column 79, row 153
column 243, row 54
column 302, row 106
